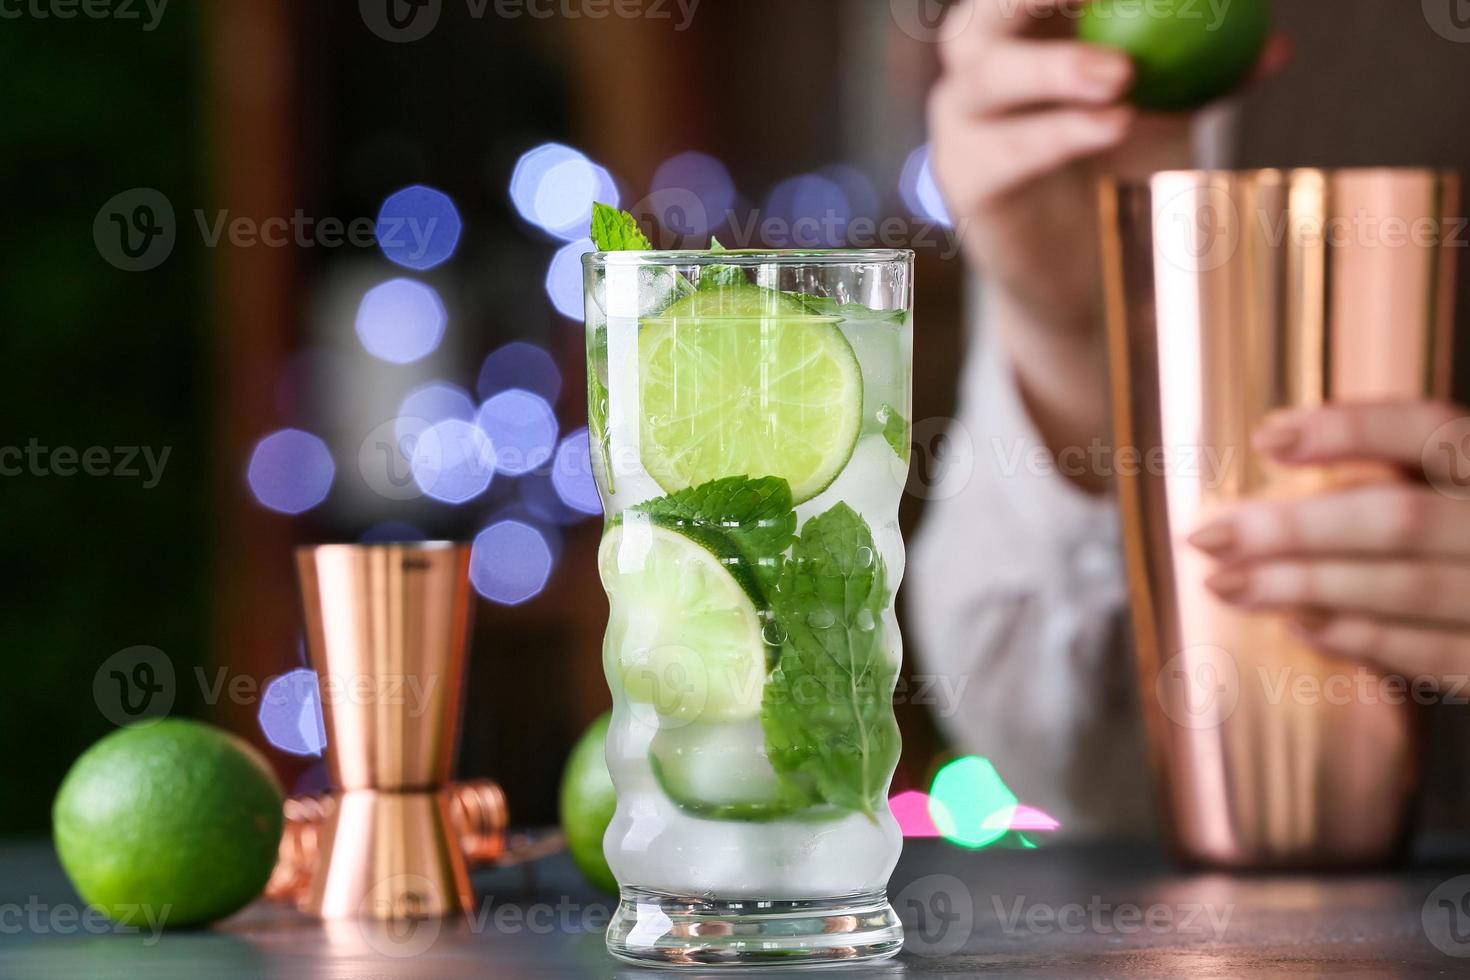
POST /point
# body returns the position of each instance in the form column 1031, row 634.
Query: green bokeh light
column 964, row 794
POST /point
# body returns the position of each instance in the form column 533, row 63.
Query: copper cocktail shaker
column 1230, row 295
column 387, row 627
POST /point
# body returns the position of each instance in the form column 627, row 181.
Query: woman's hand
column 1023, row 121
column 1377, row 572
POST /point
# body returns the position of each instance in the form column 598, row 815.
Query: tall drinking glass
column 749, row 419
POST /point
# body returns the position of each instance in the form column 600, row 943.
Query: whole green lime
column 588, row 802
column 1185, row 52
column 175, row 818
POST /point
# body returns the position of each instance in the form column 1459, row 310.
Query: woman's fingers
column 1401, row 433
column 978, row 161
column 971, row 25
column 1411, row 651
column 1380, row 520
column 1406, row 590
column 1014, row 74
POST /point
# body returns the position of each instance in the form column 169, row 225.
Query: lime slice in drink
column 720, row 771
column 684, row 633
column 746, row 381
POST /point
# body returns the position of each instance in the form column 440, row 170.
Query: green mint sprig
column 756, row 515
column 896, row 431
column 827, row 708
column 721, row 276
column 616, row 231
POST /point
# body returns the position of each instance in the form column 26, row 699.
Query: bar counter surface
column 1057, row 911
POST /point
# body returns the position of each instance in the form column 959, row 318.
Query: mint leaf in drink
column 827, row 306
column 895, row 431
column 720, row 276
column 827, row 707
column 756, row 515
column 616, row 231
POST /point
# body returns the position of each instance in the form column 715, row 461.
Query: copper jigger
column 477, row 812
column 387, row 627
column 1230, row 295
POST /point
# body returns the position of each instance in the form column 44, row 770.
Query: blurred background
column 256, row 248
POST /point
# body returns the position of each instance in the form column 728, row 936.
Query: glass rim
column 751, row 257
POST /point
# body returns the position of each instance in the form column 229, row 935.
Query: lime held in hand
column 587, row 804
column 176, row 820
column 1186, row 52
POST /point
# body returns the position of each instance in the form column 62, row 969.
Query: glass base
column 657, row 929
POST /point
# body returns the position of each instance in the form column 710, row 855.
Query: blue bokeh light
column 401, row 321
column 541, row 501
column 290, row 713
column 522, row 427
column 688, row 179
column 453, row 461
column 564, row 278
column 814, row 209
column 418, row 227
column 510, row 562
column 919, row 189
column 857, row 187
column 553, row 187
column 290, row 471
column 432, row 402
column 571, row 474
column 520, row 365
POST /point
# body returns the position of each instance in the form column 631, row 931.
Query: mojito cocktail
column 750, row 437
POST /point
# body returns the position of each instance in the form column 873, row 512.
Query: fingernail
column 1228, row 584
column 1276, row 438
column 1106, row 75
column 1214, row 539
